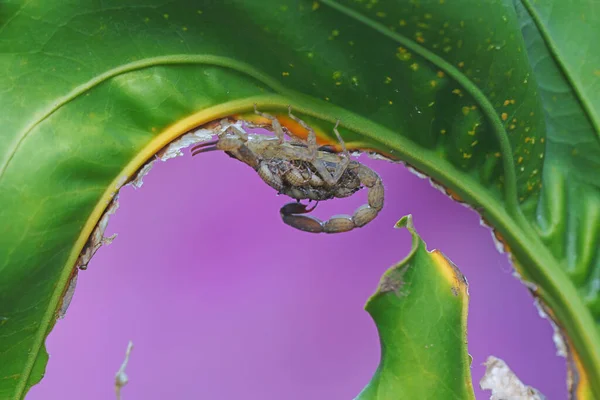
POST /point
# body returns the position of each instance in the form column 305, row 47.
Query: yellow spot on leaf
column 447, row 49
column 199, row 12
column 433, row 83
column 315, row 5
column 466, row 110
column 441, row 74
column 474, row 143
column 467, row 155
column 420, row 39
column 414, row 66
column 184, row 28
column 597, row 72
column 388, row 80
column 461, row 64
column 457, row 92
column 402, row 22
column 335, row 33
column 403, row 54
column 166, row 16
column 497, row 154
column 380, row 14
column 443, row 131
column 351, row 43
column 431, row 104
column 354, row 80
column 391, row 102
column 428, row 16
column 520, row 160
column 506, row 102
column 337, row 75
column 504, row 116
column 285, row 73
column 310, row 54
column 512, row 126
column 338, row 83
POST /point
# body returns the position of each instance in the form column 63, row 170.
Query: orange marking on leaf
column 450, row 273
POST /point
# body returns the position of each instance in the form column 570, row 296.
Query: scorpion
column 302, row 170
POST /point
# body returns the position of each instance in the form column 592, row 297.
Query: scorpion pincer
column 304, row 171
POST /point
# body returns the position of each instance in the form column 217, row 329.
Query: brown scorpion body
column 303, row 171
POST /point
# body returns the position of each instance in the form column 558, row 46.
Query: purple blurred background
column 224, row 301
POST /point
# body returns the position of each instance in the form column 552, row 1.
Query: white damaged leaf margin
column 97, row 238
column 504, row 384
column 500, row 247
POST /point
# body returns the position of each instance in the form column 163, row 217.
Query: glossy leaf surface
column 494, row 99
column 420, row 310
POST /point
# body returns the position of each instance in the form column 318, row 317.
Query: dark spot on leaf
column 394, row 281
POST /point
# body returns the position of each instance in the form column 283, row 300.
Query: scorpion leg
column 274, row 123
column 340, row 168
column 311, row 138
column 234, row 130
column 320, row 166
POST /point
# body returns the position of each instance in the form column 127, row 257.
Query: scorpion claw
column 197, row 150
column 204, row 144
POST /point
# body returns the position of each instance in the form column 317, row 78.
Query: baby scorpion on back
column 303, row 171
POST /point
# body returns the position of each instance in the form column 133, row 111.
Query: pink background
column 224, row 301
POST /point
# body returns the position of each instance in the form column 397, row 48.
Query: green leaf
column 498, row 101
column 567, row 217
column 420, row 310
